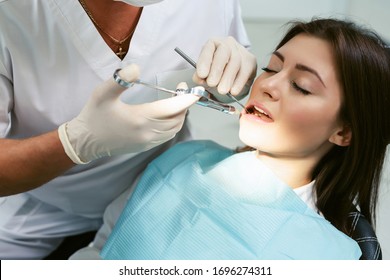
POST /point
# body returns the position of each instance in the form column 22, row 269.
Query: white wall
column 264, row 21
column 374, row 13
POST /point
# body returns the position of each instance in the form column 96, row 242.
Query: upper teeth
column 261, row 111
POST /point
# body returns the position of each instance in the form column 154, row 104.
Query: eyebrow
column 301, row 67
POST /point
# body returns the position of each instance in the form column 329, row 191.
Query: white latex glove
column 106, row 126
column 226, row 64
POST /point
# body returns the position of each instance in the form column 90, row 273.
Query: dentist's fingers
column 225, row 64
column 169, row 107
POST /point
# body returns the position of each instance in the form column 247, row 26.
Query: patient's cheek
column 305, row 118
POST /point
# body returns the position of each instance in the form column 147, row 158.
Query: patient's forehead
column 310, row 51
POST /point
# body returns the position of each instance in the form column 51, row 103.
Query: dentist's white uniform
column 51, row 59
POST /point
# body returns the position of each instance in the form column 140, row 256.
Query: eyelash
column 266, row 69
column 293, row 84
column 298, row 88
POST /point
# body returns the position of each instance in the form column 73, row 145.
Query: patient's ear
column 342, row 137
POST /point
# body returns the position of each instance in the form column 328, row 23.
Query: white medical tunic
column 52, row 57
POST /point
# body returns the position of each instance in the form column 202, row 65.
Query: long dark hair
column 348, row 177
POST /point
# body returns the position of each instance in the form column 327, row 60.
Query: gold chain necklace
column 120, row 53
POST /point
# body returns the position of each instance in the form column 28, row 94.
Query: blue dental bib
column 200, row 201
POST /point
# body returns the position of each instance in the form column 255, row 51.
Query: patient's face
column 294, row 104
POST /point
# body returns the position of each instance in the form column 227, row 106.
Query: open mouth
column 253, row 110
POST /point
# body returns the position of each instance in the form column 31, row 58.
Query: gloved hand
column 225, row 63
column 106, row 126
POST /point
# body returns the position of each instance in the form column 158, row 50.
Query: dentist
column 72, row 139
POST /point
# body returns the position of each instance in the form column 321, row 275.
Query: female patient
column 317, row 123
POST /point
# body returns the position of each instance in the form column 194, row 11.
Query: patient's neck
column 295, row 172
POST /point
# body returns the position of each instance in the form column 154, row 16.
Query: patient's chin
column 246, row 136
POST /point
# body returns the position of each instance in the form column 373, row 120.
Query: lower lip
column 256, row 118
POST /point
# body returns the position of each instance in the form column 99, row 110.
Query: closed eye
column 298, row 88
column 267, row 70
column 294, row 84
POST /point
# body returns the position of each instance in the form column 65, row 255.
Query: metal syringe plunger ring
column 120, row 81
